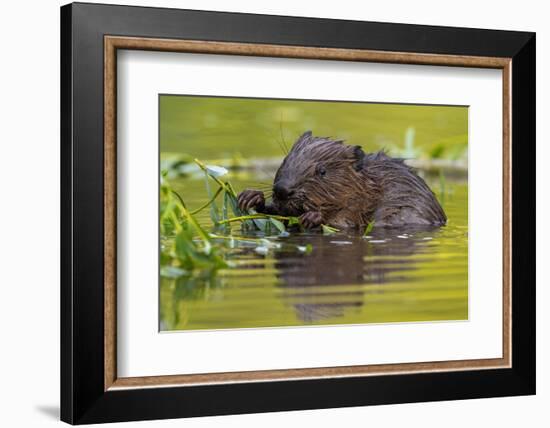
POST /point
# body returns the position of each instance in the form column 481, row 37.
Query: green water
column 393, row 276
column 214, row 128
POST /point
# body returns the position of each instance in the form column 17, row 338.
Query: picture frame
column 91, row 35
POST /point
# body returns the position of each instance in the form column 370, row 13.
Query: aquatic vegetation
column 176, row 164
column 189, row 248
column 368, row 229
column 279, row 275
column 186, row 246
column 250, row 220
column 328, row 230
column 451, row 149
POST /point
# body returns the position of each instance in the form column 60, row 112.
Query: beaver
column 324, row 181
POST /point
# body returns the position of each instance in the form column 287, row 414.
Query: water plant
column 186, row 246
column 250, row 220
column 368, row 229
column 328, row 230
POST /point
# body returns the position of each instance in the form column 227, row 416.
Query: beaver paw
column 248, row 199
column 311, row 219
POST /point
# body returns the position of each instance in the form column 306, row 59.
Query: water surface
column 394, row 275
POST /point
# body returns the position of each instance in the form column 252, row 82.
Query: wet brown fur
column 350, row 189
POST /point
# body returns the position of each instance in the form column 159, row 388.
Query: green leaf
column 233, row 204
column 224, row 206
column 185, row 250
column 201, row 232
column 293, row 220
column 214, row 214
column 369, row 227
column 306, row 249
column 278, row 224
column 328, row 230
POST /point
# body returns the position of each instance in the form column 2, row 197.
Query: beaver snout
column 282, row 191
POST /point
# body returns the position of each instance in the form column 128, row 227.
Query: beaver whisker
column 283, row 135
column 258, row 185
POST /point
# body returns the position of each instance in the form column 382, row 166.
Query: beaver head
column 318, row 174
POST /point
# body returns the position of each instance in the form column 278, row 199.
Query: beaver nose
column 282, row 191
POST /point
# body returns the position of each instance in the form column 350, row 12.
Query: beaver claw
column 248, row 199
column 311, row 219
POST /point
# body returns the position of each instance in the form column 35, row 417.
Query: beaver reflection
column 325, row 283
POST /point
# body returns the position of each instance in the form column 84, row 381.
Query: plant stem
column 253, row 217
column 221, row 183
column 208, row 203
column 236, row 238
column 179, row 197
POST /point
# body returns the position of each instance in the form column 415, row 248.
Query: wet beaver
column 325, row 181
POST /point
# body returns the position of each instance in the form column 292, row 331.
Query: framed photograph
column 265, row 213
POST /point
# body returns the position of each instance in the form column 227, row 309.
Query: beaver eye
column 321, row 170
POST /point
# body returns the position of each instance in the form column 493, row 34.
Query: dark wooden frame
column 90, row 35
column 114, row 43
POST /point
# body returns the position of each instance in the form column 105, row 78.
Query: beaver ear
column 302, row 140
column 306, row 134
column 359, row 156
